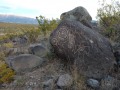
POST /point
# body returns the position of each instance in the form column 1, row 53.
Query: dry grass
column 13, row 27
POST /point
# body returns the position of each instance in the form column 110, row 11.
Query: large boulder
column 78, row 14
column 79, row 44
column 24, row 62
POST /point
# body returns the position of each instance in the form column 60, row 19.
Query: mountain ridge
column 17, row 19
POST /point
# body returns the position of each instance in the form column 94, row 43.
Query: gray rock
column 65, row 81
column 20, row 40
column 117, row 57
column 109, row 83
column 38, row 50
column 80, row 45
column 78, row 14
column 24, row 62
column 93, row 83
column 48, row 83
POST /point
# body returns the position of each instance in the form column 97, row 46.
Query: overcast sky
column 48, row 8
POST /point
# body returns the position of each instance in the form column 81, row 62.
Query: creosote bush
column 32, row 34
column 46, row 25
column 109, row 19
column 8, row 45
column 6, row 74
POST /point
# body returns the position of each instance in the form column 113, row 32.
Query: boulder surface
column 38, row 50
column 24, row 62
column 89, row 50
column 78, row 14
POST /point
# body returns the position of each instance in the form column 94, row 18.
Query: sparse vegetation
column 9, row 31
column 46, row 25
column 6, row 74
column 8, row 45
column 109, row 19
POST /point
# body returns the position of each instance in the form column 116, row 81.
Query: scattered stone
column 30, row 88
column 108, row 83
column 38, row 50
column 48, row 83
column 20, row 40
column 93, row 83
column 24, row 62
column 115, row 88
column 65, row 81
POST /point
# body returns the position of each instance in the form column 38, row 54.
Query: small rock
column 109, row 83
column 93, row 83
column 19, row 40
column 48, row 83
column 30, row 88
column 116, row 88
column 38, row 50
column 65, row 81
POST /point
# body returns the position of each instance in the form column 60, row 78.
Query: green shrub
column 46, row 25
column 109, row 19
column 6, row 74
column 32, row 34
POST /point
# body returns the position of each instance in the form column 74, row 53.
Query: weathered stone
column 78, row 14
column 24, row 62
column 93, row 83
column 38, row 50
column 20, row 40
column 109, row 83
column 79, row 44
column 64, row 81
column 48, row 83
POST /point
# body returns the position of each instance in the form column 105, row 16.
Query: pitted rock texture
column 79, row 44
column 78, row 14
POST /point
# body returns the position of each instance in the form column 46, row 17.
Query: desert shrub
column 3, row 37
column 6, row 74
column 109, row 19
column 5, row 49
column 8, row 45
column 32, row 34
column 11, row 30
column 2, row 56
column 46, row 25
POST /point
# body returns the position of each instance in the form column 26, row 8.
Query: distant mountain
column 17, row 19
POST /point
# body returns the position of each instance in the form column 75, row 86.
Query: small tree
column 109, row 18
column 46, row 25
column 43, row 24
